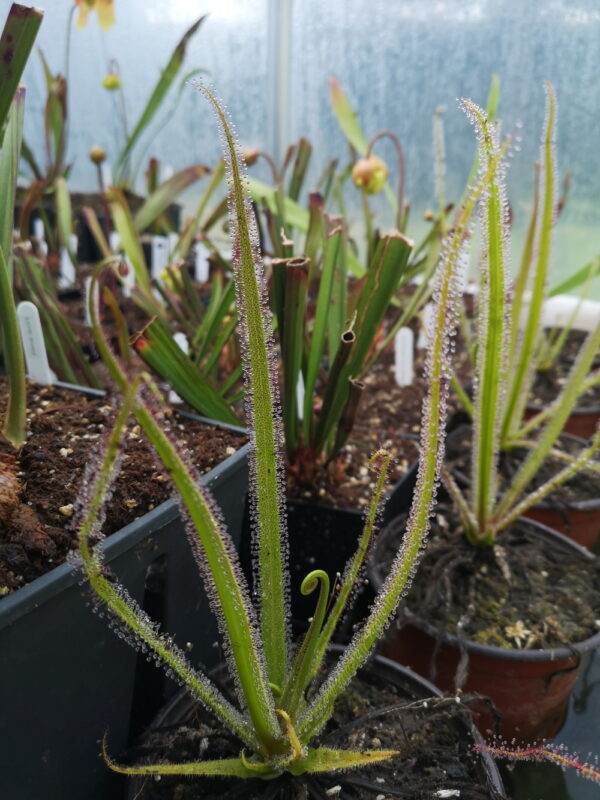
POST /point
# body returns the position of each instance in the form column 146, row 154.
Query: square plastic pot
column 323, row 537
column 66, row 678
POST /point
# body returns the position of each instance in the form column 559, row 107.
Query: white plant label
column 183, row 344
column 201, row 265
column 426, row 323
column 36, row 358
column 128, row 279
column 106, row 174
column 114, row 241
column 67, row 268
column 38, row 228
column 404, row 357
column 173, row 240
column 159, row 256
column 300, row 395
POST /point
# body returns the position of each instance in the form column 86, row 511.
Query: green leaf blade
column 165, row 194
column 19, row 34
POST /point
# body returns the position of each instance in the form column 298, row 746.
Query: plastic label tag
column 404, row 357
column 36, row 358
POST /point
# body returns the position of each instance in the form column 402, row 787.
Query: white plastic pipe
column 557, row 312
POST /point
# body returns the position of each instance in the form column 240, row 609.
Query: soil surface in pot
column 435, row 752
column 519, row 593
column 582, row 486
column 389, row 415
column 549, row 383
column 46, row 477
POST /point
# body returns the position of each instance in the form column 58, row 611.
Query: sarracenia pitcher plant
column 506, row 358
column 274, row 716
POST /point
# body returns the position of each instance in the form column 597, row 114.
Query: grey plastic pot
column 65, row 677
column 380, row 668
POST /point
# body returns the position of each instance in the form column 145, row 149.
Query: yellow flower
column 104, row 8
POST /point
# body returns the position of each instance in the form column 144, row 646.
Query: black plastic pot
column 383, row 669
column 322, row 537
column 530, row 688
column 65, row 677
column 88, row 251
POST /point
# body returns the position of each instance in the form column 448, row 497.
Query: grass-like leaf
column 14, row 423
column 156, row 346
column 523, row 370
column 164, row 83
column 9, row 170
column 493, row 325
column 19, row 33
column 165, row 194
column 262, row 405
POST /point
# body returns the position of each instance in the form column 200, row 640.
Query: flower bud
column 370, row 174
column 250, row 156
column 97, row 154
column 111, row 81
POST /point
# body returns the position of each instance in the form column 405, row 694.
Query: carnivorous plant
column 505, row 358
column 274, row 717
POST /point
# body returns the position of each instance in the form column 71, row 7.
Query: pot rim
column 492, row 651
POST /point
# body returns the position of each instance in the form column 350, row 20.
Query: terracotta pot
column 529, row 688
column 582, row 421
column 579, row 522
column 179, row 709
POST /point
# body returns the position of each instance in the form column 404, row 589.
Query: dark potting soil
column 519, row 593
column 585, row 485
column 65, row 432
column 435, row 752
column 549, row 383
column 389, row 415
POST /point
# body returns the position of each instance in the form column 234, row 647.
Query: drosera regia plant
column 275, row 719
column 505, row 360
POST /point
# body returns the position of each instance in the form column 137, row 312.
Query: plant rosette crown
column 384, row 703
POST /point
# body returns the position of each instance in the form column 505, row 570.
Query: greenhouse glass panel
column 229, row 49
column 400, row 61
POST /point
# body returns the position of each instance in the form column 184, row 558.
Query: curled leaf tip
column 312, row 580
